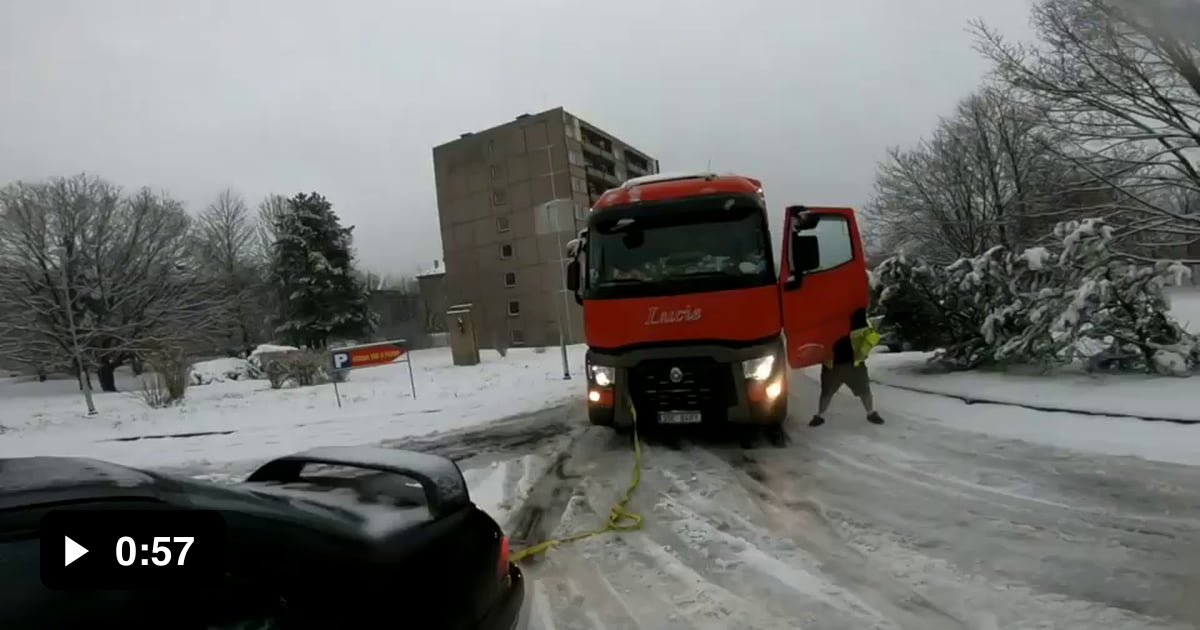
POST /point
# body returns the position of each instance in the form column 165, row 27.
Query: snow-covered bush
column 261, row 356
column 906, row 294
column 1040, row 306
column 1120, row 306
column 303, row 369
column 220, row 370
column 167, row 384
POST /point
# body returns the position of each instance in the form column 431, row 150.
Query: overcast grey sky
column 348, row 98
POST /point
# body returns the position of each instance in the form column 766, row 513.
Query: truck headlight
column 759, row 369
column 602, row 375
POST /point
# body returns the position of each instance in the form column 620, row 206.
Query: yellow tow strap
column 620, row 519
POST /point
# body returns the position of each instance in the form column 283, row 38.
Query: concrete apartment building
column 498, row 255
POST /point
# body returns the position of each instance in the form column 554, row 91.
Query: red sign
column 368, row 355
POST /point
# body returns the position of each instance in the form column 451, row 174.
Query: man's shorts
column 853, row 376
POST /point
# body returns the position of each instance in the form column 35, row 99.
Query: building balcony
column 601, row 175
column 595, row 148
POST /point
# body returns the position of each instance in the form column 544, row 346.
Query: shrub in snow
column 906, row 297
column 1039, row 306
column 276, row 372
column 302, row 369
column 307, row 368
column 1120, row 307
column 168, row 382
column 261, row 356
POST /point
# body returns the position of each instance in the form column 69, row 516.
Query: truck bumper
column 695, row 378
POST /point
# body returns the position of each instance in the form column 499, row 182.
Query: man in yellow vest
column 848, row 366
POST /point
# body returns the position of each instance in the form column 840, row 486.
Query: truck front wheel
column 778, row 413
column 600, row 416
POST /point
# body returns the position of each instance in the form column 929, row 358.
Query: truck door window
column 833, row 236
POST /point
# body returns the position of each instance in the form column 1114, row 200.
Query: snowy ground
column 232, row 422
column 1185, row 306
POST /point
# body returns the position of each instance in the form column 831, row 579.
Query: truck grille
column 705, row 385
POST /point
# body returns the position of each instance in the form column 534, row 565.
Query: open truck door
column 823, row 281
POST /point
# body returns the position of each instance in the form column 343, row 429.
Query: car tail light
column 504, row 555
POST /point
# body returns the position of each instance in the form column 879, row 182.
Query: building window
column 506, row 251
column 514, row 308
column 491, row 147
column 501, row 224
column 516, row 337
column 575, row 157
column 492, row 172
column 498, row 197
column 510, row 280
column 578, row 185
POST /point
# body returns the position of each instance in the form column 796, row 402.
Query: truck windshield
column 685, row 246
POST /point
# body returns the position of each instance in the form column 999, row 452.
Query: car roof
column 41, row 483
column 665, row 186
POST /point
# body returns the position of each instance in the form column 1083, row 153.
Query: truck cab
column 687, row 316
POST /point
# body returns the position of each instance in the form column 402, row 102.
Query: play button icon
column 72, row 551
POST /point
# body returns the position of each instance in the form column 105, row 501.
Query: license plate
column 678, row 417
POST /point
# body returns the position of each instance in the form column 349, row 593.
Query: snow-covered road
column 916, row 524
column 908, row 525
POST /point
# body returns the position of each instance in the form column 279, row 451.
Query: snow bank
column 1154, row 441
column 1185, row 306
column 1133, row 395
column 243, row 420
column 219, row 371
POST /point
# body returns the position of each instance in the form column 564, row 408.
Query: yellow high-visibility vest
column 862, row 341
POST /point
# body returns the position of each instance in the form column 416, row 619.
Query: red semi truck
column 686, row 314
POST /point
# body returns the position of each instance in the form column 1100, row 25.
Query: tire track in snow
column 998, row 533
column 697, row 562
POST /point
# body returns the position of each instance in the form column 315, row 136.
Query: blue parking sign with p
column 341, row 360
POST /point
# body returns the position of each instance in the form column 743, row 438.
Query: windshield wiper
column 621, row 281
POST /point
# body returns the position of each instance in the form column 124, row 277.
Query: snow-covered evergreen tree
column 906, row 294
column 1038, row 306
column 320, row 295
column 1118, row 307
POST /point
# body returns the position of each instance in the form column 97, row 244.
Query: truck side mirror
column 806, row 253
column 573, row 276
column 802, row 218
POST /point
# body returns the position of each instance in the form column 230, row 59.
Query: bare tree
column 228, row 242
column 42, row 270
column 270, row 210
column 131, row 281
column 981, row 179
column 1121, row 80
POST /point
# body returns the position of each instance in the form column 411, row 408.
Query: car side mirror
column 573, row 276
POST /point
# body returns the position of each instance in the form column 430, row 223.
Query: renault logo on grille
column 675, row 375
